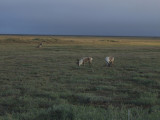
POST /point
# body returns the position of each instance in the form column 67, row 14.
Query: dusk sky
column 80, row 17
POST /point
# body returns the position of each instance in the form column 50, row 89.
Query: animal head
column 77, row 62
column 91, row 59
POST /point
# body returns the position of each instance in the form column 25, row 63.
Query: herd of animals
column 109, row 60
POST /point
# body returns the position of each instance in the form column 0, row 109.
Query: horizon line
column 79, row 35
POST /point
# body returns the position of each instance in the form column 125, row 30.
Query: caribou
column 84, row 60
column 40, row 45
column 109, row 61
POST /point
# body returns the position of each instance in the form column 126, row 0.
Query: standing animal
column 109, row 61
column 84, row 60
column 40, row 45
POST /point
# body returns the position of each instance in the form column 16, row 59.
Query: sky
column 80, row 17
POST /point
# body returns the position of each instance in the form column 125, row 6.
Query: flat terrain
column 46, row 84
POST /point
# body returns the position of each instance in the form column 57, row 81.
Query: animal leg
column 109, row 64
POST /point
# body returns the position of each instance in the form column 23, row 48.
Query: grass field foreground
column 46, row 83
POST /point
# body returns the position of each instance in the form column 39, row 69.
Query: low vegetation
column 47, row 84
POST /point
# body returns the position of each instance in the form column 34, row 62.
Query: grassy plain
column 46, row 83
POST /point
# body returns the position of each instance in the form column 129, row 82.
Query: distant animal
column 109, row 61
column 40, row 45
column 84, row 60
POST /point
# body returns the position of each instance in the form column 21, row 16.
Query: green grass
column 46, row 83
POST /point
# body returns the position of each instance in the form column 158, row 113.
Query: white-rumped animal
column 40, row 45
column 84, row 60
column 109, row 61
